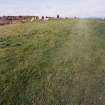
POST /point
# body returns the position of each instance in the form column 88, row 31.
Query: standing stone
column 58, row 16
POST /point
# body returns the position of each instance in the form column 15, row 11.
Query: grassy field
column 60, row 62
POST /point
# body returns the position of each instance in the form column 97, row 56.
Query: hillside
column 53, row 63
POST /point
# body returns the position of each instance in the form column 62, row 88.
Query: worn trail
column 75, row 75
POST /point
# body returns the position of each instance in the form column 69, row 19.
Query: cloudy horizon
column 69, row 8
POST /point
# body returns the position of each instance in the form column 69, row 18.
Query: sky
column 66, row 8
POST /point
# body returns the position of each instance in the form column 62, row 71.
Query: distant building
column 23, row 19
column 4, row 21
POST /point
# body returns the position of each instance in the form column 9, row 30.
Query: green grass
column 60, row 62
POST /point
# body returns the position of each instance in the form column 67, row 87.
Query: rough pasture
column 59, row 62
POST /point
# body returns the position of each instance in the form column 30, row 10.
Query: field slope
column 53, row 63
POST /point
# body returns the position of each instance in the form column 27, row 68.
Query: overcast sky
column 81, row 8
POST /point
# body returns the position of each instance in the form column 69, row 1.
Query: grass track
column 53, row 63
